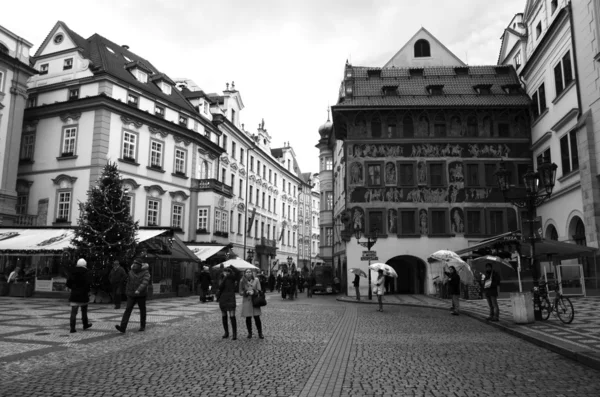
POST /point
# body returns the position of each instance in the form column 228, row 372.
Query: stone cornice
column 70, row 115
column 158, row 188
column 181, row 193
column 61, row 177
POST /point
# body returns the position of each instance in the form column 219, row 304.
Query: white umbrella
column 463, row 269
column 387, row 269
column 239, row 264
column 445, row 256
column 358, row 271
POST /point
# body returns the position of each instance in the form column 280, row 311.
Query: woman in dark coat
column 491, row 281
column 453, row 288
column 226, row 297
column 79, row 283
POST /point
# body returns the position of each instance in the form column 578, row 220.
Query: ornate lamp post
column 538, row 188
column 371, row 240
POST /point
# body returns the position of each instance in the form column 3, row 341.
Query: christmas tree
column 106, row 230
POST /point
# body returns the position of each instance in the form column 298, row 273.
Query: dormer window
column 159, row 111
column 461, row 71
column 141, row 76
column 206, row 107
column 538, row 30
column 390, row 90
column 68, row 64
column 183, row 121
column 73, row 94
column 110, row 50
column 512, row 89
column 483, row 89
column 133, row 100
column 416, row 72
column 44, row 68
column 435, row 89
column 373, row 74
column 127, row 58
column 502, row 70
column 164, row 87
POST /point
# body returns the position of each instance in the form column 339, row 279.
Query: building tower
column 327, row 193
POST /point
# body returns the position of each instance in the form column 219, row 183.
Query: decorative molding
column 241, row 207
column 158, row 188
column 18, row 90
column 212, row 156
column 270, row 189
column 185, row 141
column 265, row 185
column 290, row 199
column 224, row 159
column 179, row 193
column 131, row 182
column 570, row 115
column 234, row 166
column 128, row 120
column 64, row 177
column 242, row 172
column 31, row 125
column 276, row 191
column 202, row 151
column 541, row 141
column 252, row 178
column 155, row 130
column 65, row 117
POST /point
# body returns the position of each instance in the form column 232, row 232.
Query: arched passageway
column 411, row 275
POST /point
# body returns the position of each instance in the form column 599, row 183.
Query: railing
column 212, row 185
column 26, row 220
column 267, row 242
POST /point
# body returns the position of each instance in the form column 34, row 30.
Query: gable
column 60, row 38
column 440, row 55
column 509, row 40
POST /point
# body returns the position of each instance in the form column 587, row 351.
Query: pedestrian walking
column 271, row 282
column 226, row 298
column 250, row 286
column 136, row 291
column 312, row 281
column 491, row 281
column 117, row 277
column 204, row 282
column 453, row 288
column 356, row 284
column 285, row 285
column 278, row 282
column 380, row 289
column 79, row 282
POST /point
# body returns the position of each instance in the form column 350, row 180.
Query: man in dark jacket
column 271, row 282
column 79, row 283
column 356, row 284
column 136, row 290
column 204, row 281
column 453, row 288
column 491, row 281
column 117, row 278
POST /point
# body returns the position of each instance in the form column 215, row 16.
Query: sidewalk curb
column 583, row 356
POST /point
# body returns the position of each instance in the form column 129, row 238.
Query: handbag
column 488, row 283
column 259, row 300
column 375, row 290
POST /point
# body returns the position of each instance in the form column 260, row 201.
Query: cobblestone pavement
column 312, row 347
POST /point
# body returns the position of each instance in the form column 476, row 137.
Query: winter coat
column 226, row 293
column 204, row 280
column 138, row 282
column 117, row 276
column 453, row 283
column 380, row 284
column 79, row 283
column 356, row 281
column 493, row 290
column 247, row 309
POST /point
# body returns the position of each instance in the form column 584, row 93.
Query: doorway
column 411, row 275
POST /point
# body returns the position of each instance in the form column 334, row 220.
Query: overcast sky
column 285, row 56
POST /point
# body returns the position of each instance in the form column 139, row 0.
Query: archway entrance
column 411, row 275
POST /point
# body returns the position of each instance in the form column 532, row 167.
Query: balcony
column 26, row 220
column 266, row 246
column 212, row 185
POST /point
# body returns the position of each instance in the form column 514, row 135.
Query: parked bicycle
column 561, row 305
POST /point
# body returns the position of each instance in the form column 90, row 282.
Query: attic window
column 110, row 50
column 483, row 89
column 164, row 87
column 68, row 64
column 416, row 72
column 140, row 75
column 58, row 38
column 127, row 58
column 373, row 73
column 422, row 49
column 183, row 121
column 390, row 90
column 502, row 69
column 538, row 30
column 512, row 89
column 44, row 69
column 461, row 71
column 435, row 89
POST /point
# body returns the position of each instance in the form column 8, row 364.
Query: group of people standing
column 489, row 283
column 290, row 284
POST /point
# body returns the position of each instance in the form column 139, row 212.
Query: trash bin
column 522, row 307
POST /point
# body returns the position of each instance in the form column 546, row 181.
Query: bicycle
column 561, row 305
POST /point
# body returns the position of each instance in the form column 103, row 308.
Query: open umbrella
column 387, row 269
column 444, row 256
column 480, row 262
column 239, row 264
column 358, row 271
column 464, row 270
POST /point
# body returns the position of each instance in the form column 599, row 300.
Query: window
column 141, row 76
column 408, row 222
column 239, row 223
column 233, row 149
column 269, row 204
column 289, row 212
column 221, row 221
column 518, row 60
column 329, row 236
column 183, row 121
column 73, row 94
column 503, row 130
column 472, row 127
column 264, row 171
column 21, row 207
column 69, row 139
column 165, row 88
column 274, row 205
column 242, row 156
column 203, row 219
column 156, row 149
column 474, row 221
column 544, row 157
column 328, row 163
column 31, row 100
column 521, row 171
column 129, row 146
column 240, row 188
column 177, row 217
column 438, row 221
column 390, row 90
column 538, row 102
column 408, row 127
column 439, row 127
column 233, row 116
column 553, row 5
column 436, row 174
column 374, row 174
column 225, row 142
column 250, row 194
column 263, row 200
column 252, row 163
column 257, row 167
column 129, row 204
column 133, row 100
column 68, row 64
column 294, row 191
column 159, row 111
column 538, row 30
column 490, row 177
column 63, row 206
column 422, row 49
column 329, row 200
column 180, row 161
column 152, row 212
column 275, row 180
column 43, row 69
column 294, row 239
column 283, row 210
column 472, row 175
column 288, row 164
column 569, row 156
column 496, row 222
column 563, row 73
column 27, row 147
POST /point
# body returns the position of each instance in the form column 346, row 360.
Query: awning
column 145, row 234
column 41, row 241
column 203, row 252
column 510, row 236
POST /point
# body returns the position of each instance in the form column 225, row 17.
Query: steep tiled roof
column 458, row 89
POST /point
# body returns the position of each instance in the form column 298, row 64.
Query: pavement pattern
column 312, row 347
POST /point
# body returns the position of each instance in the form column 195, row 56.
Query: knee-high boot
column 249, row 326
column 259, row 327
column 233, row 328
column 225, row 327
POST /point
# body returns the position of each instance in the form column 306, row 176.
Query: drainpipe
column 574, row 47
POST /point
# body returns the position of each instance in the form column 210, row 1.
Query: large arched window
column 422, row 49
column 204, row 170
column 551, row 233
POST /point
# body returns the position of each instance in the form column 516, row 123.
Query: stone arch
column 550, row 231
column 412, row 275
column 571, row 220
column 576, row 230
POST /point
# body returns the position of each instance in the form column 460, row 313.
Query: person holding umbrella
column 453, row 288
column 380, row 289
column 491, row 281
column 356, row 284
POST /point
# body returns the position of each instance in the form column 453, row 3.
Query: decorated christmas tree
column 106, row 230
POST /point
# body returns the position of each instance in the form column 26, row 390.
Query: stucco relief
column 423, row 228
column 356, row 173
column 390, row 173
column 358, row 218
column 499, row 150
column 392, row 217
column 457, row 221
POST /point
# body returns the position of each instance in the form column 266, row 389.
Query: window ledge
column 541, row 116
column 415, row 235
column 26, row 162
column 568, row 176
column 72, row 157
column 155, row 169
column 182, row 176
column 564, row 91
column 61, row 223
column 178, row 230
column 202, row 231
column 129, row 161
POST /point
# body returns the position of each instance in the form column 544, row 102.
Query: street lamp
column 538, row 188
column 371, row 240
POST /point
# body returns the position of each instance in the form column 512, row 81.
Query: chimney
column 125, row 46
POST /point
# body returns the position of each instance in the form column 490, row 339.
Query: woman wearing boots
column 79, row 283
column 249, row 286
column 226, row 297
